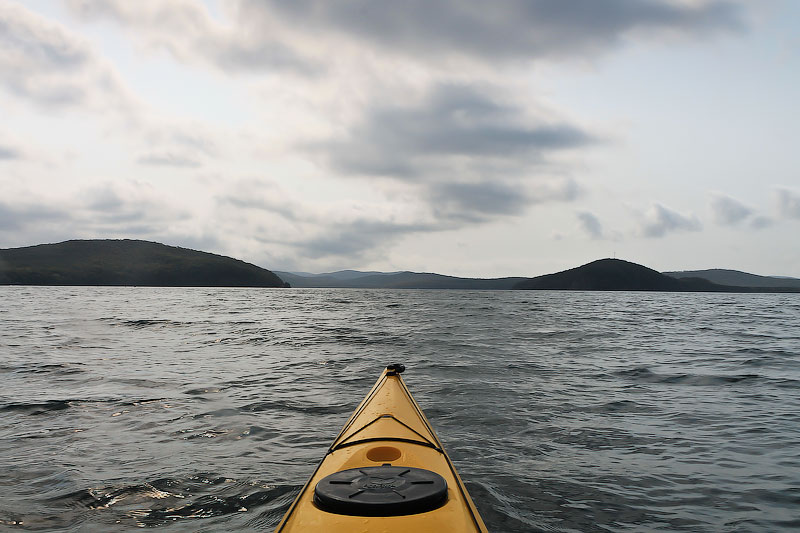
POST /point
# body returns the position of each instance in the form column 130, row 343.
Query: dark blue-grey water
column 206, row 409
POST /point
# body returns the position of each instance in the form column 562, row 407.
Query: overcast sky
column 465, row 137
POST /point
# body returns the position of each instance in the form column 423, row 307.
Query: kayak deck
column 387, row 431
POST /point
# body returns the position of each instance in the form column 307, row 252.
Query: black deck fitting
column 395, row 368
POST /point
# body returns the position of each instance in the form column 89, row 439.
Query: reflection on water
column 206, row 409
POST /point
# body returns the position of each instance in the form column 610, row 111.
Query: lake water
column 207, row 409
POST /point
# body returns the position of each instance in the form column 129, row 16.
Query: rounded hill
column 613, row 275
column 127, row 262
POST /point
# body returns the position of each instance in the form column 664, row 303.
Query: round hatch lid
column 381, row 491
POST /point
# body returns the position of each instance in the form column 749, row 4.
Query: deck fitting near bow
column 395, row 368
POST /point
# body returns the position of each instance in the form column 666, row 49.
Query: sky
column 464, row 137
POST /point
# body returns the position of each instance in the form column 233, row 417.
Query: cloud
column 272, row 201
column 104, row 199
column 590, row 224
column 727, row 211
column 45, row 63
column 451, row 126
column 9, row 152
column 37, row 57
column 20, row 216
column 168, row 159
column 492, row 31
column 467, row 153
column 117, row 208
column 660, row 220
column 452, row 205
column 186, row 30
column 322, row 234
column 761, row 222
column 473, row 202
column 554, row 190
column 479, row 202
column 359, row 239
column 300, row 36
column 54, row 68
column 788, row 203
column 109, row 210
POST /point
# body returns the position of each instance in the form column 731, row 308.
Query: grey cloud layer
column 474, row 202
column 270, row 34
column 451, row 123
column 510, row 29
column 480, row 202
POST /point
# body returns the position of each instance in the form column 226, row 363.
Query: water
column 206, row 409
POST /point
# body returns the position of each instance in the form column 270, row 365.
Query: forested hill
column 619, row 275
column 127, row 262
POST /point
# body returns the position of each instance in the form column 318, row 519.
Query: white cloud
column 169, row 159
column 43, row 62
column 185, row 29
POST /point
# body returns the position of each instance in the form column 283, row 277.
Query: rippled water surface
column 207, row 409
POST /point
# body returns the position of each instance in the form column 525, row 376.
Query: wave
column 37, row 408
column 144, row 323
column 165, row 500
column 54, row 369
column 51, row 406
column 299, row 407
column 643, row 374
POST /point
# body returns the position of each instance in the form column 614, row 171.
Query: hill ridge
column 727, row 276
column 399, row 280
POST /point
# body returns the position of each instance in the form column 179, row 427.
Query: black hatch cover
column 381, row 491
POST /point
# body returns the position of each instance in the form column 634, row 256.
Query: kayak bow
column 385, row 472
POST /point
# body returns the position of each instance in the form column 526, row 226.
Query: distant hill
column 354, row 274
column 619, row 275
column 395, row 280
column 127, row 262
column 736, row 278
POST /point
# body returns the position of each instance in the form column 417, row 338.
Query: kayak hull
column 387, row 429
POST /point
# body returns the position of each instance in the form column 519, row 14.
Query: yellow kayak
column 385, row 472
